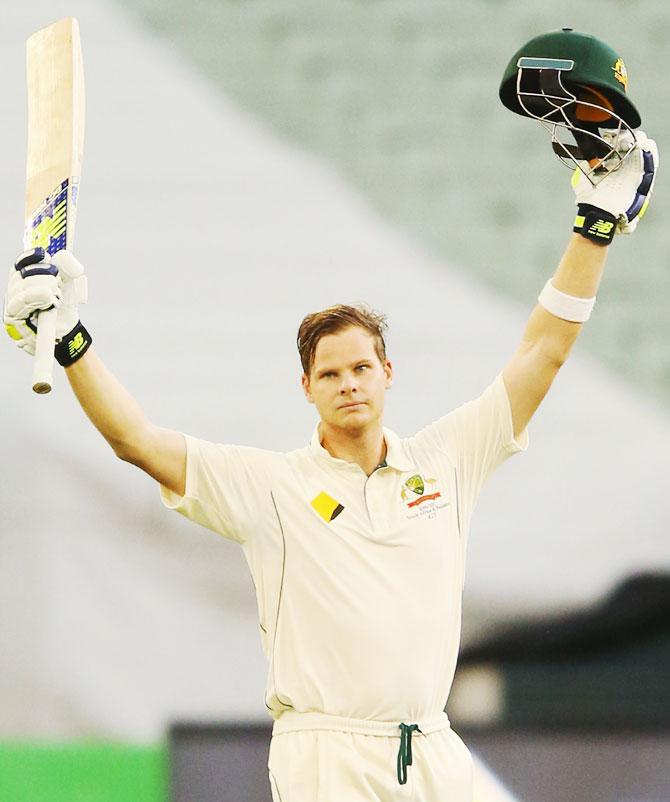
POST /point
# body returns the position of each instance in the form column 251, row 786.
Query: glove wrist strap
column 73, row 346
column 595, row 224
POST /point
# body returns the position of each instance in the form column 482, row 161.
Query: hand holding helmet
column 618, row 202
column 576, row 87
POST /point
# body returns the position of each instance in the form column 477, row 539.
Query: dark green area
column 620, row 691
column 403, row 97
column 81, row 772
column 604, row 667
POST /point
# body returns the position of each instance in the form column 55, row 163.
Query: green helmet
column 575, row 85
column 581, row 59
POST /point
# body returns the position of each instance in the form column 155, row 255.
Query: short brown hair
column 336, row 319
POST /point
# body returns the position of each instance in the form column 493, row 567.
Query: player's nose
column 348, row 384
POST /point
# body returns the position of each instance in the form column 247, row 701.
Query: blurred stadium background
column 274, row 156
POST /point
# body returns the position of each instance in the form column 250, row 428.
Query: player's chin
column 356, row 418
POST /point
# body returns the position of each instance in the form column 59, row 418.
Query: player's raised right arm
column 121, row 421
column 38, row 282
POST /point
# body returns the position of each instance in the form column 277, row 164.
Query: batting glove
column 620, row 199
column 38, row 282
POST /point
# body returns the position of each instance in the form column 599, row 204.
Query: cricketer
column 356, row 542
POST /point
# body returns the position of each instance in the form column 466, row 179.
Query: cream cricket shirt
column 358, row 579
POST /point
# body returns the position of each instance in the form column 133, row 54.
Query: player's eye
column 362, row 368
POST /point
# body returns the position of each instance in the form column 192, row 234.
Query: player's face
column 348, row 382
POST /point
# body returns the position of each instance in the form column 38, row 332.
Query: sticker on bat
column 48, row 226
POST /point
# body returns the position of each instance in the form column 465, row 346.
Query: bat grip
column 43, row 367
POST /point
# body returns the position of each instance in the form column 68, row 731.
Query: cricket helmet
column 576, row 86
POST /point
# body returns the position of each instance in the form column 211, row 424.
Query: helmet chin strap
column 595, row 149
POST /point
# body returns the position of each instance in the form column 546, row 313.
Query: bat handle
column 43, row 368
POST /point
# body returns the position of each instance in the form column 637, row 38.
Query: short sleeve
column 223, row 486
column 477, row 437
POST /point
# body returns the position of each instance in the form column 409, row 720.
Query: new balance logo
column 601, row 228
column 76, row 344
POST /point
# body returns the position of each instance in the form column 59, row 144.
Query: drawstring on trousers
column 405, row 751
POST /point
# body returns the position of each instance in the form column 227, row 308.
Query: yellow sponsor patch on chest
column 326, row 506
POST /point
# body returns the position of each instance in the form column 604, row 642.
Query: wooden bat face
column 55, row 135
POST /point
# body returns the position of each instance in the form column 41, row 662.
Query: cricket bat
column 55, row 78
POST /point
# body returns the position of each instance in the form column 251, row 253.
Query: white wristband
column 567, row 307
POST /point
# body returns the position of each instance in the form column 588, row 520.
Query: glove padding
column 626, row 191
column 38, row 282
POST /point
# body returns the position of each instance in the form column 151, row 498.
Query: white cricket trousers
column 319, row 758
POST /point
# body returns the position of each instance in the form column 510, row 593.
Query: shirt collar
column 395, row 453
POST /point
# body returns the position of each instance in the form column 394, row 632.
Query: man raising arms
column 356, row 542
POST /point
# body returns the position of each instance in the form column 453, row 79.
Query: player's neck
column 365, row 447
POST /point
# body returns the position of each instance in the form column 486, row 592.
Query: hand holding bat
column 38, row 282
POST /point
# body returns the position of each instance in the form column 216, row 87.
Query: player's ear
column 304, row 381
column 388, row 372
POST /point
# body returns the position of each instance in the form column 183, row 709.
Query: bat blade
column 55, row 79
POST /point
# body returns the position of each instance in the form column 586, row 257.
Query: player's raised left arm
column 614, row 205
column 547, row 339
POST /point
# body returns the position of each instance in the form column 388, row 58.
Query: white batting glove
column 38, row 282
column 618, row 202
